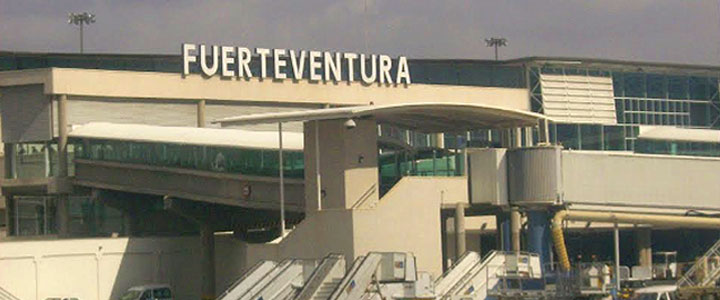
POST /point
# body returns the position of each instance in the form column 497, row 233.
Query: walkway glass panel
column 257, row 162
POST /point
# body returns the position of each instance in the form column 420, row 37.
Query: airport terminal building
column 148, row 168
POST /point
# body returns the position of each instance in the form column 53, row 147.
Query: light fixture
column 81, row 19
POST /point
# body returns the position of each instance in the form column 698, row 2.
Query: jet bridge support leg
column 515, row 227
column 539, row 234
column 207, row 257
column 460, row 237
column 502, row 219
column 643, row 244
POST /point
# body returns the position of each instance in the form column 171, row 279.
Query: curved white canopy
column 423, row 116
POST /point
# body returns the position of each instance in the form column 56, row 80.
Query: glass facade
column 206, row 158
column 676, row 98
column 677, row 148
column 427, row 162
column 32, row 215
column 37, row 160
column 36, row 215
column 661, row 99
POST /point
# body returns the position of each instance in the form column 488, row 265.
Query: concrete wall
column 98, row 268
column 406, row 219
column 26, row 114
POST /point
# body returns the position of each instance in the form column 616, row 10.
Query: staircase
column 324, row 279
column 706, row 270
column 487, row 278
column 258, row 275
column 327, row 288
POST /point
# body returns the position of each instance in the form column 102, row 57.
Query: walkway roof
column 234, row 138
column 668, row 133
column 424, row 117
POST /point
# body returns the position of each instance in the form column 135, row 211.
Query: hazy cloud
column 672, row 31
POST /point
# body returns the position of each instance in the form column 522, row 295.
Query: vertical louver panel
column 576, row 98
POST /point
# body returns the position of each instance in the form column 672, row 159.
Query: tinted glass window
column 163, row 293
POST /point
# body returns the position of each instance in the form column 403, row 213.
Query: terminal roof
column 423, row 117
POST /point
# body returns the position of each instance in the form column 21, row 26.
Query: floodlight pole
column 496, row 42
column 82, row 47
column 81, row 19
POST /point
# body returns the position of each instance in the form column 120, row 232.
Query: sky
column 674, row 31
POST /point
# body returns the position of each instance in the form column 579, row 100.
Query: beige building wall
column 406, row 219
column 99, row 268
column 156, row 85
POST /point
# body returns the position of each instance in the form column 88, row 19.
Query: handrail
column 7, row 295
column 686, row 279
column 243, row 277
column 365, row 196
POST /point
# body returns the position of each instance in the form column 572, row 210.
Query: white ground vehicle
column 658, row 292
column 148, row 292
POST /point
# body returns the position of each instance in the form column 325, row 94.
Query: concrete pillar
column 643, row 244
column 8, row 160
column 440, row 140
column 543, row 132
column 515, row 228
column 517, row 138
column 127, row 224
column 444, row 241
column 63, row 218
column 62, row 135
column 460, row 238
column 505, row 141
column 502, row 221
column 201, row 113
column 528, row 136
column 207, row 257
column 348, row 163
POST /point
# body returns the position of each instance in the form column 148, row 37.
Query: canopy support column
column 282, row 180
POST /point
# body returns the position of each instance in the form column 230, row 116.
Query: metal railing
column 705, row 271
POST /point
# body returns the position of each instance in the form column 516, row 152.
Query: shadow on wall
column 99, row 268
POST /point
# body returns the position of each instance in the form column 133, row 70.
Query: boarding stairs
column 255, row 276
column 376, row 276
column 359, row 277
column 5, row 295
column 324, row 279
column 706, row 270
column 268, row 280
column 499, row 274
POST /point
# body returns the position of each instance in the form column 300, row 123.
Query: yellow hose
column 620, row 218
column 559, row 240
